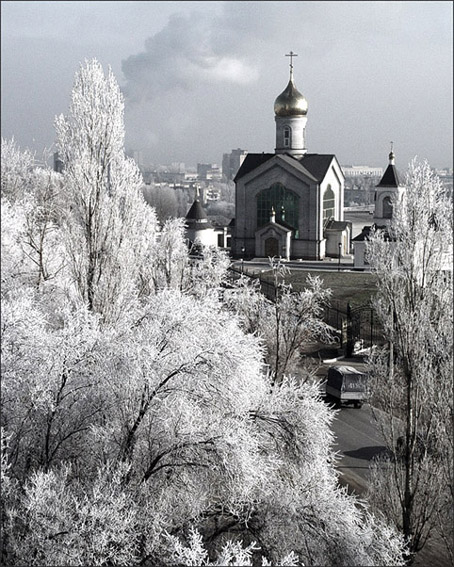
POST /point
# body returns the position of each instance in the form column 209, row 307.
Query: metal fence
column 357, row 326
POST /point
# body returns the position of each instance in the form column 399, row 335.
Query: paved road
column 357, row 441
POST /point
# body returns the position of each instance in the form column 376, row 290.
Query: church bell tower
column 387, row 191
column 290, row 109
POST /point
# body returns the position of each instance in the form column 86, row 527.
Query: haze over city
column 200, row 78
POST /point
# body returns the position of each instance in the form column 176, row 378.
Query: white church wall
column 335, row 178
column 262, row 178
column 381, row 195
column 333, row 239
column 207, row 236
column 297, row 127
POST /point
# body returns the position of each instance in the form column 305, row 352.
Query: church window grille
column 328, row 205
column 283, row 201
column 287, row 136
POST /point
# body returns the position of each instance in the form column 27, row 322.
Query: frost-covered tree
column 49, row 382
column 285, row 324
column 163, row 199
column 109, row 228
column 173, row 402
column 413, row 374
column 172, row 267
column 60, row 520
column 16, row 168
column 16, row 266
column 45, row 213
column 169, row 264
column 31, row 200
column 136, row 409
column 232, row 553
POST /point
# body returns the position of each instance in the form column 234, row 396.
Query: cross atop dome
column 291, row 55
column 290, row 102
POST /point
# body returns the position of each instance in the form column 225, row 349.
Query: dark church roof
column 196, row 211
column 390, row 177
column 251, row 162
column 196, row 217
column 337, row 225
column 316, row 164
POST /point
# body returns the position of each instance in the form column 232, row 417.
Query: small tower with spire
column 388, row 189
column 290, row 109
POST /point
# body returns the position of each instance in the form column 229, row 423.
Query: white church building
column 289, row 203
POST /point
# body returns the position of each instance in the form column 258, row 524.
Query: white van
column 347, row 385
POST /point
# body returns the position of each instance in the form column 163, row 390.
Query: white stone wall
column 297, row 125
column 335, row 178
column 380, row 194
column 206, row 236
column 359, row 249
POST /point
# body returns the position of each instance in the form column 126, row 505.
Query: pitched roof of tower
column 196, row 217
column 391, row 176
column 337, row 225
column 196, row 211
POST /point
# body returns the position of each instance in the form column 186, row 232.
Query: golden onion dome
column 290, row 102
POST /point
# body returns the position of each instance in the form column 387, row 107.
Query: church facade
column 289, row 204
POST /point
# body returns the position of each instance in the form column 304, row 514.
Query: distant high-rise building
column 207, row 171
column 202, row 170
column 232, row 162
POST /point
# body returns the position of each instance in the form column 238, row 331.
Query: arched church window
column 328, row 204
column 283, row 201
column 387, row 208
column 287, row 136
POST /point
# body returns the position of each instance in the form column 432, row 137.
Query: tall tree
column 413, row 374
column 109, row 229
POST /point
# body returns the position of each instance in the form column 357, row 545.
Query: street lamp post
column 339, row 259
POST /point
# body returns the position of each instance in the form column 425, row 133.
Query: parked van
column 346, row 385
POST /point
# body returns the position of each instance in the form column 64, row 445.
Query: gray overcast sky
column 200, row 78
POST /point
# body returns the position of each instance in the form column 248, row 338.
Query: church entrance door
column 271, row 247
